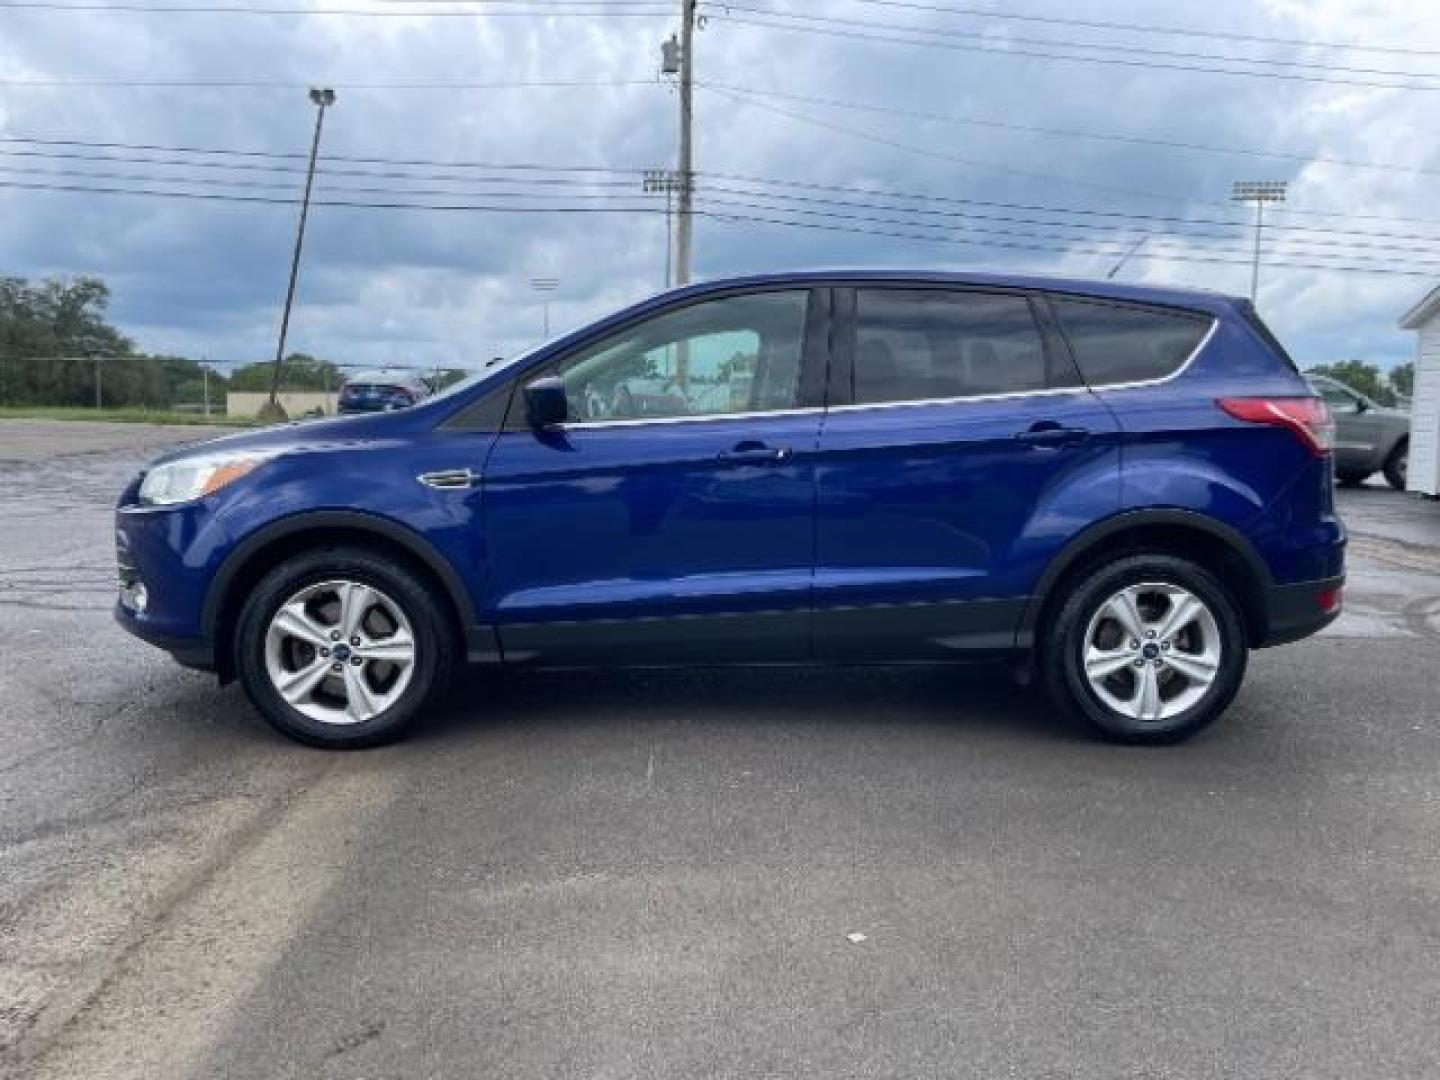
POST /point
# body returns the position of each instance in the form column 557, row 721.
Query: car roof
column 1102, row 289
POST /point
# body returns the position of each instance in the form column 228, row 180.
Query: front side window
column 929, row 344
column 730, row 355
column 1118, row 344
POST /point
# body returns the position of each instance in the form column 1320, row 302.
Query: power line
column 1145, row 28
column 1125, row 47
column 1138, row 140
column 572, row 170
column 128, row 8
column 507, row 176
column 471, row 207
column 942, row 155
column 980, row 46
column 1381, row 271
column 280, row 84
column 571, row 183
column 1068, row 181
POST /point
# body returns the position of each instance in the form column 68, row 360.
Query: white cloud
column 394, row 286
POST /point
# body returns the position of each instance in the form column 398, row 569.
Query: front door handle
column 1049, row 433
column 753, row 452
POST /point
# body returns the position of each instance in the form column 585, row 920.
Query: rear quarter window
column 1117, row 343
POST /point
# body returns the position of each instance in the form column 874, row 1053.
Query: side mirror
column 1361, row 405
column 545, row 402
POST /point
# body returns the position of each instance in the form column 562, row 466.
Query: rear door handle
column 752, row 452
column 1049, row 433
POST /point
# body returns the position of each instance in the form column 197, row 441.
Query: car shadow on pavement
column 974, row 697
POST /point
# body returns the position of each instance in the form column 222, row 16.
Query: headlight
column 193, row 478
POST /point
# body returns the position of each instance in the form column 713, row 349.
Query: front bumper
column 166, row 553
column 189, row 652
column 1292, row 612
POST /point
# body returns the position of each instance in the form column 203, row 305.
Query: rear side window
column 928, row 344
column 1115, row 343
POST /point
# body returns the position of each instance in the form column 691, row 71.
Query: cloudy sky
column 856, row 140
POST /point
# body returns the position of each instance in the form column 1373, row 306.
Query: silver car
column 1368, row 437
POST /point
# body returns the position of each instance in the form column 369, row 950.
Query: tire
column 1212, row 645
column 354, row 700
column 1350, row 477
column 1397, row 465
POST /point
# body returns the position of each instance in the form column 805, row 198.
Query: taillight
column 1308, row 417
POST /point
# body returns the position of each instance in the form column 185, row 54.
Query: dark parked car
column 381, row 392
column 1369, row 438
column 1126, row 488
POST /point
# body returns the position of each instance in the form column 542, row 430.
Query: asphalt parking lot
column 659, row 874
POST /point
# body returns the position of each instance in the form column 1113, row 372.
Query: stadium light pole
column 545, row 286
column 322, row 98
column 1258, row 192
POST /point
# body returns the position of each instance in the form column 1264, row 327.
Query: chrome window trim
column 1184, row 365
column 1011, row 395
column 586, row 425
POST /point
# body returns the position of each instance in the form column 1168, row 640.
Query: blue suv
column 1124, row 489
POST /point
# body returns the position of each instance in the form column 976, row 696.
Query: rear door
column 960, row 452
column 671, row 519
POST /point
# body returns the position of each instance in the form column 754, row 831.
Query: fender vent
column 449, row 479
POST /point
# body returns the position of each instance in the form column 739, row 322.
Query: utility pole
column 322, row 99
column 205, row 381
column 683, row 237
column 97, row 380
column 1258, row 192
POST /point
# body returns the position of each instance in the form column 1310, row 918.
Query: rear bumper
column 1293, row 612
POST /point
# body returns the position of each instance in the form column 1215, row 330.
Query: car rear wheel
column 1149, row 649
column 1397, row 465
column 340, row 648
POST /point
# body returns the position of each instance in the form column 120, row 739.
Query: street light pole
column 1258, row 192
column 545, row 286
column 322, row 99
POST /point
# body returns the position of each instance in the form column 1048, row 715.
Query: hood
column 301, row 435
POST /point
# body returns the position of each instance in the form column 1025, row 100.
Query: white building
column 1424, row 472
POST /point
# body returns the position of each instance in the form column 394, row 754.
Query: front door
column 670, row 519
column 959, row 453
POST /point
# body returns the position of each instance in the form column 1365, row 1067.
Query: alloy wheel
column 1152, row 651
column 340, row 652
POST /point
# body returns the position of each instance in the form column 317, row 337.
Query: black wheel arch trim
column 354, row 520
column 1085, row 543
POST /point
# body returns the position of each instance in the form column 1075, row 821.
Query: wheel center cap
column 1150, row 651
column 340, row 652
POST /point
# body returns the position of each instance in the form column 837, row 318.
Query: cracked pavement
column 654, row 874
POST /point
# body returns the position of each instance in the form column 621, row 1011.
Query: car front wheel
column 1149, row 649
column 341, row 648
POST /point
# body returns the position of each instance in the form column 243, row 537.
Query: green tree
column 300, row 371
column 1402, row 378
column 54, row 336
column 1360, row 376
